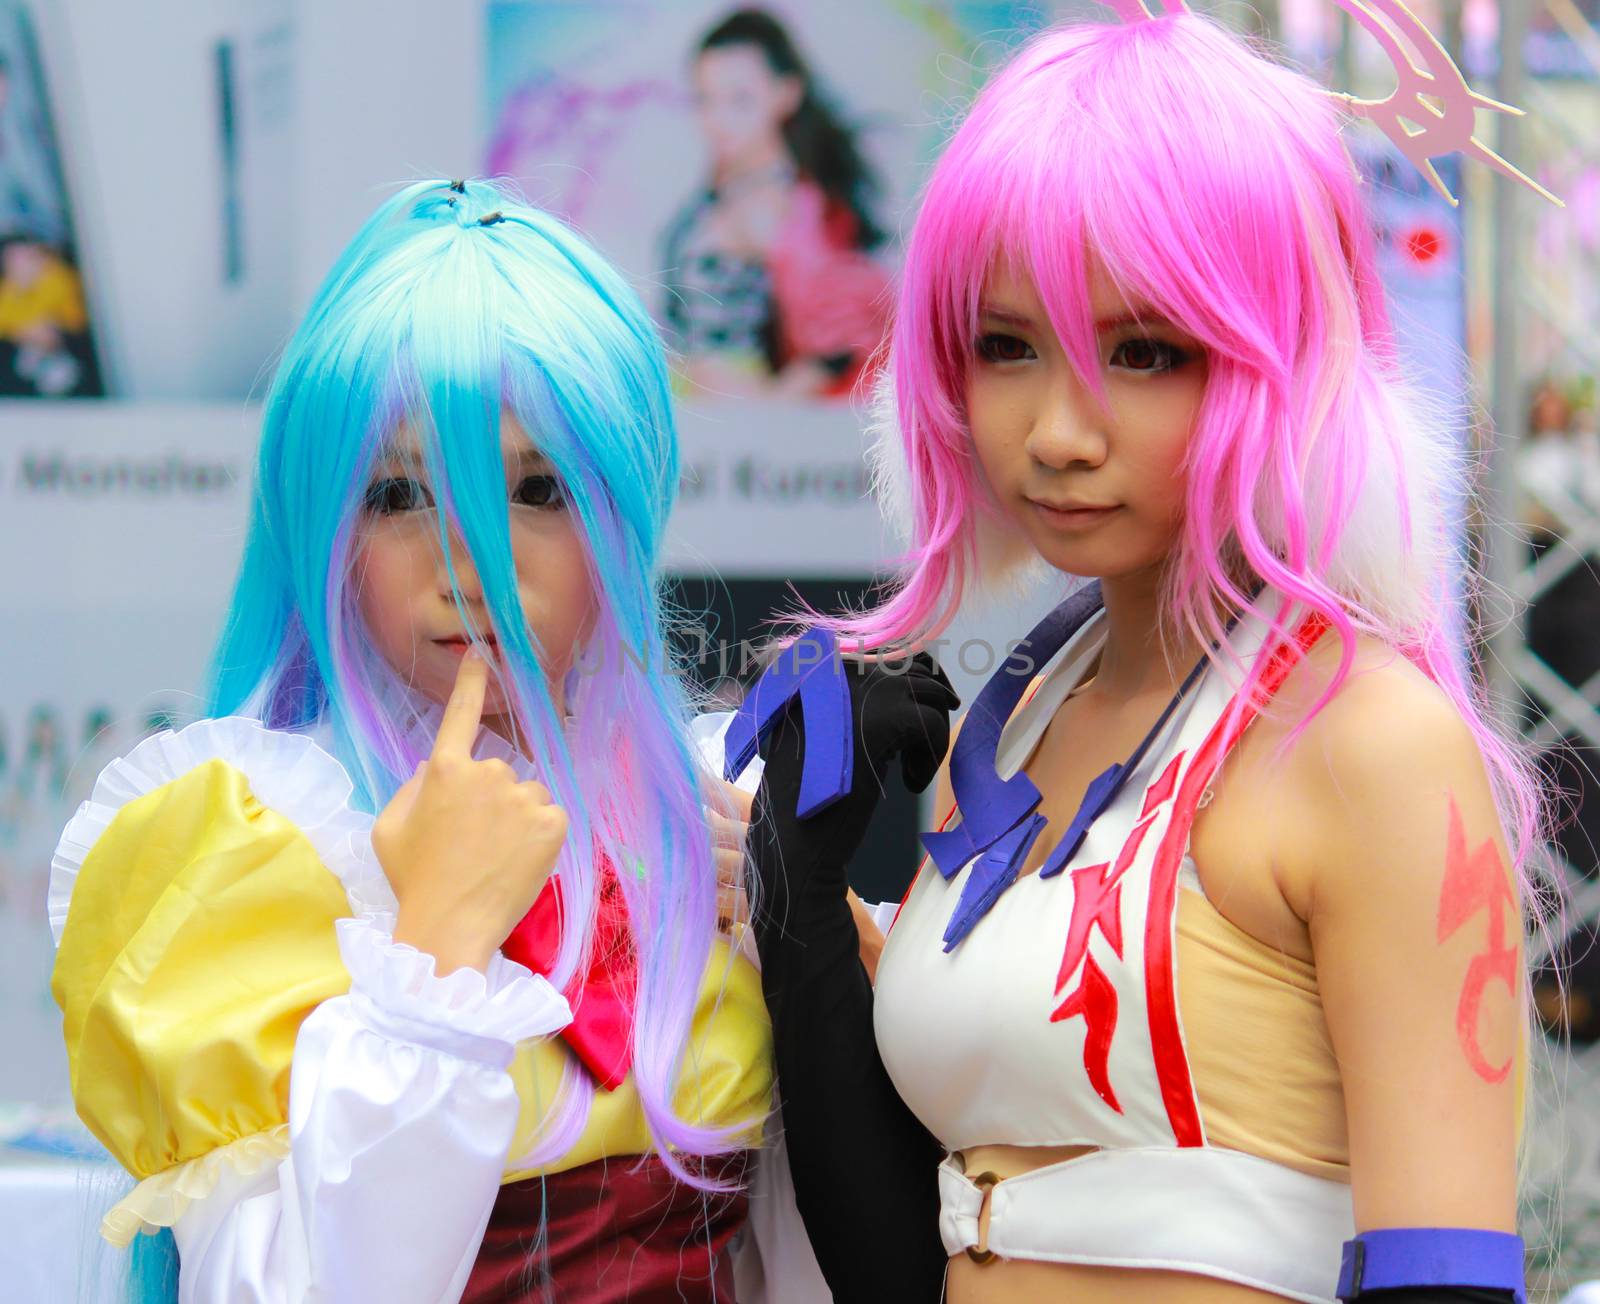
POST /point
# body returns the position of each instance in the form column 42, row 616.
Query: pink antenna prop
column 1431, row 109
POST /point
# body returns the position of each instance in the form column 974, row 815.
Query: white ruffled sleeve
column 400, row 1115
column 709, row 733
column 401, row 1110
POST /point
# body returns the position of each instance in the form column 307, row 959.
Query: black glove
column 865, row 1169
column 898, row 709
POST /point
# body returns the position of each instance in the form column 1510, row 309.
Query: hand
column 898, row 710
column 729, row 829
column 466, row 845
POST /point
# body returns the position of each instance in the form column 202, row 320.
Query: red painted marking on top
column 1162, row 788
column 1096, row 999
column 1166, row 1034
column 1097, row 902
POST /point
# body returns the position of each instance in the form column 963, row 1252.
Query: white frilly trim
column 507, row 1003
column 288, row 773
column 161, row 1200
column 709, row 732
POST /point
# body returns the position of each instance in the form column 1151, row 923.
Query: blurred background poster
column 47, row 347
column 174, row 136
column 752, row 169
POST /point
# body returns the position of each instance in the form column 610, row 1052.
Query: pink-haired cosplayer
column 1211, row 985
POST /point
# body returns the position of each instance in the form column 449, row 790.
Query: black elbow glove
column 865, row 1169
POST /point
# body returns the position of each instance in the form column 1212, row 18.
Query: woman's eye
column 538, row 491
column 1142, row 354
column 395, row 494
column 995, row 346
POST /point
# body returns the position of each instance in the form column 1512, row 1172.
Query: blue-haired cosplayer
column 401, row 976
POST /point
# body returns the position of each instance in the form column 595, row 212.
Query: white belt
column 1217, row 1213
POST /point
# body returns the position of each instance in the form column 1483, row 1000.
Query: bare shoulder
column 1386, row 731
column 1377, row 776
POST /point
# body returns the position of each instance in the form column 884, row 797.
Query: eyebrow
column 1007, row 316
column 412, row 460
column 1010, row 317
column 1149, row 318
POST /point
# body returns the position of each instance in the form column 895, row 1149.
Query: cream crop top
column 1111, row 1006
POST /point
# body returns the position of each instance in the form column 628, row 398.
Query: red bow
column 602, row 992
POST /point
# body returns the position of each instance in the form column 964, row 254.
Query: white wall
column 389, row 91
column 121, row 525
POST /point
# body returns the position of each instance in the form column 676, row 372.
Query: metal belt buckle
column 985, row 1182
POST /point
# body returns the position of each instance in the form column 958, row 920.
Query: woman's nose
column 1069, row 429
column 467, row 582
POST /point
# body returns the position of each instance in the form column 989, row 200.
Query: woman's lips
column 1072, row 517
column 459, row 646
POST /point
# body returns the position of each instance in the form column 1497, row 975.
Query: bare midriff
column 1017, row 1281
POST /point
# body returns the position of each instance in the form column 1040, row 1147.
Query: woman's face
column 1097, row 491
column 742, row 104
column 403, row 586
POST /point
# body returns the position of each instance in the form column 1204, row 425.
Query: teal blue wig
column 453, row 305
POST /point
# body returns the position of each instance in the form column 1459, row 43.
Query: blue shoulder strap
column 813, row 668
column 999, row 817
column 1398, row 1257
column 1000, row 820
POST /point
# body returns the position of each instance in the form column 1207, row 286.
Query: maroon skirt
column 613, row 1231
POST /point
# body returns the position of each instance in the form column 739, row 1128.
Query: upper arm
column 1416, row 928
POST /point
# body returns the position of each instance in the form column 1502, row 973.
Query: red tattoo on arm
column 1475, row 881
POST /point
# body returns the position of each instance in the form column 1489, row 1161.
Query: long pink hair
column 1214, row 185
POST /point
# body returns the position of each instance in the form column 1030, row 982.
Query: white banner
column 774, row 489
column 120, row 527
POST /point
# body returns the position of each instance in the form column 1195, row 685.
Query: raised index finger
column 463, row 713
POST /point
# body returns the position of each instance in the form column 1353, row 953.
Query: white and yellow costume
column 307, row 1104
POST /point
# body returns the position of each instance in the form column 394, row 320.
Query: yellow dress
column 205, row 903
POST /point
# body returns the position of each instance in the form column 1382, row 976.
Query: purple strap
column 1398, row 1257
column 1096, row 798
column 999, row 817
column 992, row 807
column 992, row 875
column 812, row 667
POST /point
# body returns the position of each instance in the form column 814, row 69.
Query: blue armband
column 1397, row 1257
column 811, row 667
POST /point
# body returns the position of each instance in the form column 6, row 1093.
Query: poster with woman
column 46, row 344
column 751, row 164
column 751, row 168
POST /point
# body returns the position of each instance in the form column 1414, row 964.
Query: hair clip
column 460, row 187
column 489, row 219
column 1430, row 110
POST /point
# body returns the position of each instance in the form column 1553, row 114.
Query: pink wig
column 1214, row 185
